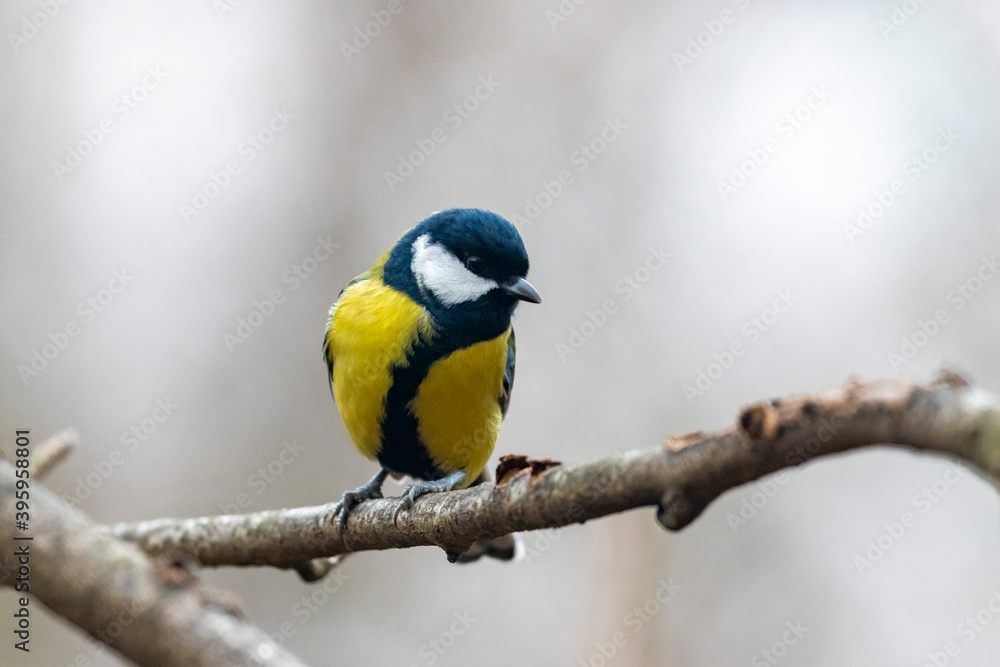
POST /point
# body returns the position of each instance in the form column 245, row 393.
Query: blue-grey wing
column 508, row 374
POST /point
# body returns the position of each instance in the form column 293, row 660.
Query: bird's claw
column 413, row 491
column 352, row 498
column 346, row 503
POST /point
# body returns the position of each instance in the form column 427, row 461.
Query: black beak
column 523, row 290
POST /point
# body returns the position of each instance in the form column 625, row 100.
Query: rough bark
column 149, row 610
column 680, row 479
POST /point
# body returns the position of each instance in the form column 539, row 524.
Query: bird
column 420, row 353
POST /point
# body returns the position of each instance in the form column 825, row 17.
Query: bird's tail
column 504, row 547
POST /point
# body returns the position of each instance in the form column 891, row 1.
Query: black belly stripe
column 401, row 449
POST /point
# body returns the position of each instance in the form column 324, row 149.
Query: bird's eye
column 475, row 264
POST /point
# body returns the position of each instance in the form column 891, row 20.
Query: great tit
column 420, row 352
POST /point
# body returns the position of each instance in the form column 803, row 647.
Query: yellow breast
column 372, row 330
column 457, row 406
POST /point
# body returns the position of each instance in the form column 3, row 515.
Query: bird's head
column 467, row 266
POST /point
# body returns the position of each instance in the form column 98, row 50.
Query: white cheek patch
column 439, row 271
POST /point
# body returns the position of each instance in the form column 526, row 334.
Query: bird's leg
column 414, row 491
column 370, row 491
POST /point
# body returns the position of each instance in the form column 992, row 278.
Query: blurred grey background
column 185, row 187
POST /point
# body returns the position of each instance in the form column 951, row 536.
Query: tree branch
column 150, row 611
column 50, row 453
column 680, row 478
